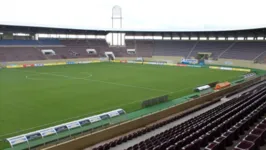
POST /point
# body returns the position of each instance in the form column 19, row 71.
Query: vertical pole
column 117, row 39
column 121, row 28
column 112, row 43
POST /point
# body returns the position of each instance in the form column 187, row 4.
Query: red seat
column 253, row 138
column 221, row 141
column 264, row 121
column 257, row 132
column 245, row 145
column 229, row 138
column 212, row 146
column 261, row 126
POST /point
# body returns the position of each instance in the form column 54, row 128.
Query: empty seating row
column 138, row 133
column 143, row 48
column 227, row 49
column 198, row 131
column 255, row 138
column 173, row 48
column 20, row 54
column 30, row 42
column 226, row 138
column 245, row 50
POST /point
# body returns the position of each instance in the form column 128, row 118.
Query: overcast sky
column 165, row 15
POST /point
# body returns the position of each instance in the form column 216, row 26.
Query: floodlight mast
column 117, row 25
column 117, row 15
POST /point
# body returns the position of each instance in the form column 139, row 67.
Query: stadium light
column 62, row 36
column 90, row 36
column 71, row 36
column 184, row 38
column 260, row 38
column 21, row 34
column 231, row 38
column 100, row 36
column 240, row 38
column 194, row 38
column 221, row 38
column 250, row 38
column 166, row 38
column 139, row 37
column 203, row 38
column 42, row 35
column 1, row 33
column 51, row 36
column 157, row 37
column 81, row 36
column 129, row 37
column 148, row 37
column 176, row 38
column 212, row 38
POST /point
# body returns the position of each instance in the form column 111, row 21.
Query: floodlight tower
column 117, row 16
column 117, row 38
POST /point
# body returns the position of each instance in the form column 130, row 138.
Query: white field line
column 72, row 118
column 181, row 90
column 34, row 77
column 100, row 81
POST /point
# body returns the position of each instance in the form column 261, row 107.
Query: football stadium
column 70, row 88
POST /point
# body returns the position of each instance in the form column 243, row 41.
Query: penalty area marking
column 100, row 81
column 89, row 74
column 33, row 77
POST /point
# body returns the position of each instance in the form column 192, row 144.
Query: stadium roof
column 49, row 30
column 139, row 15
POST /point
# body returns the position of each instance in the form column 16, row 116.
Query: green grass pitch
column 35, row 98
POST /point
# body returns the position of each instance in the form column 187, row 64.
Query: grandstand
column 185, row 45
column 156, row 90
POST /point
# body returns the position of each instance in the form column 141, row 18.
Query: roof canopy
column 33, row 30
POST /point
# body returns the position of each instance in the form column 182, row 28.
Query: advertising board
column 189, row 61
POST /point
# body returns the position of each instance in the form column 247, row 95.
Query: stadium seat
column 260, row 133
column 254, row 139
column 214, row 129
column 245, row 145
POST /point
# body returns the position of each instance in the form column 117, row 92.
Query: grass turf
column 34, row 98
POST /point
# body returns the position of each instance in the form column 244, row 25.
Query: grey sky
column 138, row 14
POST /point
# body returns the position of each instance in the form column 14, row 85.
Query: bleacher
column 144, row 48
column 253, row 51
column 214, row 47
column 245, row 50
column 20, row 54
column 238, row 124
column 173, row 48
column 29, row 42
